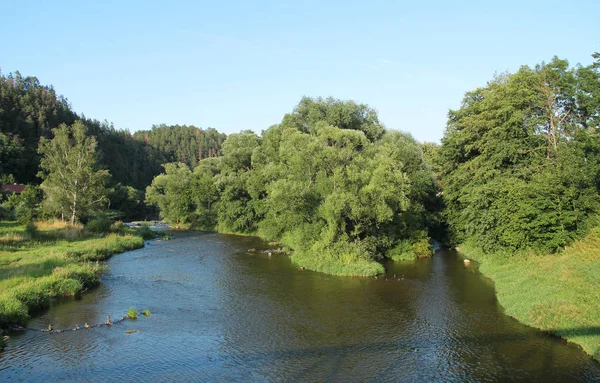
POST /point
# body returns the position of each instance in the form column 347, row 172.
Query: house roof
column 18, row 189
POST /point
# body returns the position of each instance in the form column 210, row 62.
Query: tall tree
column 73, row 185
column 519, row 159
column 171, row 192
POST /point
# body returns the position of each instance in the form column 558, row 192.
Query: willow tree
column 73, row 183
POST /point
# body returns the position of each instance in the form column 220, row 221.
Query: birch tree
column 73, row 183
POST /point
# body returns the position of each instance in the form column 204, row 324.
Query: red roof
column 18, row 189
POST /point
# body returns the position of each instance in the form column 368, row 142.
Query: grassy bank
column 556, row 293
column 49, row 261
column 337, row 264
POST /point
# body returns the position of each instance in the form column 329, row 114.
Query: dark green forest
column 518, row 169
column 30, row 111
column 186, row 144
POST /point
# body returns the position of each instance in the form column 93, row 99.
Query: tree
column 171, row 192
column 73, row 185
column 11, row 154
column 328, row 181
column 519, row 159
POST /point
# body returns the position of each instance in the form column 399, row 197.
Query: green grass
column 556, row 293
column 55, row 260
column 337, row 264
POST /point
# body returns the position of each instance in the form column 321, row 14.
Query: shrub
column 118, row 227
column 100, row 224
column 12, row 311
column 146, row 233
column 403, row 251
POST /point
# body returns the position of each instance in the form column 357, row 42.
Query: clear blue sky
column 235, row 65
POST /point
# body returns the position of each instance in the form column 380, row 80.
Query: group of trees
column 520, row 160
column 329, row 180
column 30, row 117
column 518, row 168
column 186, row 144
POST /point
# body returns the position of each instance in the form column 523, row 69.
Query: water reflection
column 222, row 314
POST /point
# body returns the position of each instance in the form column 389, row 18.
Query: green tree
column 28, row 206
column 73, row 185
column 11, row 154
column 519, row 159
column 171, row 192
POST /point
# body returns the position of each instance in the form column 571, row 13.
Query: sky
column 235, row 65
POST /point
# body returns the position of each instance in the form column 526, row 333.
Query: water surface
column 220, row 314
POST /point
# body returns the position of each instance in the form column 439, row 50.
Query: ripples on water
column 220, row 314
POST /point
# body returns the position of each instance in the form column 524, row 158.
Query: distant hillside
column 187, row 144
column 29, row 110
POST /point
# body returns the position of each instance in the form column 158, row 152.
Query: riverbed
column 220, row 313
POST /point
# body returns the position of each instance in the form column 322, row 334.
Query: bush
column 146, row 233
column 118, row 227
column 422, row 248
column 12, row 311
column 100, row 224
column 403, row 251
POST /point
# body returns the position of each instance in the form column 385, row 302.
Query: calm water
column 220, row 314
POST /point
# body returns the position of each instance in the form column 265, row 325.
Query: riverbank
column 339, row 260
column 51, row 260
column 344, row 262
column 557, row 293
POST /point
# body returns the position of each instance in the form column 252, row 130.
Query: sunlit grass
column 57, row 260
column 557, row 293
column 338, row 264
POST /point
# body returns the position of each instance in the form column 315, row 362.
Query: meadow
column 557, row 293
column 50, row 260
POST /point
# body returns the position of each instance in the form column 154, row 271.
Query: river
column 221, row 314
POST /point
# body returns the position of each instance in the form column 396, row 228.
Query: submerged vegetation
column 132, row 313
column 56, row 260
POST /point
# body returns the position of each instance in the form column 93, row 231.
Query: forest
column 29, row 113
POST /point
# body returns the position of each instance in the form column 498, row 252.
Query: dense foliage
column 329, row 181
column 187, row 144
column 520, row 159
column 30, row 111
column 73, row 185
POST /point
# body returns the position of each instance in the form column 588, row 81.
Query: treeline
column 329, row 181
column 520, row 159
column 187, row 144
column 518, row 169
column 30, row 111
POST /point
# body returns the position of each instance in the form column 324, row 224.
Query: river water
column 221, row 314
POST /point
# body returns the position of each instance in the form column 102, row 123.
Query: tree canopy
column 329, row 181
column 519, row 159
column 73, row 185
